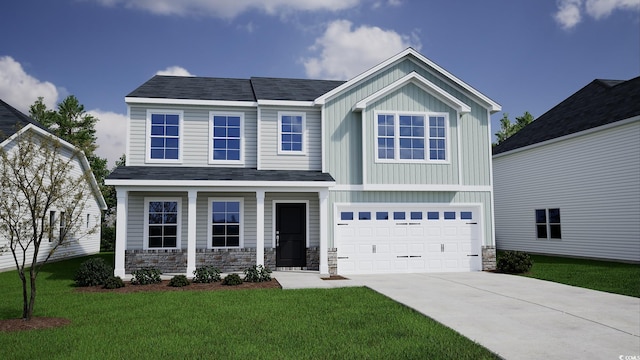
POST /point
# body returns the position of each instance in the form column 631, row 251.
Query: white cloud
column 344, row 53
column 21, row 90
column 570, row 12
column 174, row 71
column 111, row 131
column 227, row 8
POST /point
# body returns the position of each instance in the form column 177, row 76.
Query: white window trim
column 147, row 149
column 145, row 232
column 304, row 133
column 396, row 149
column 548, row 224
column 210, row 222
column 242, row 138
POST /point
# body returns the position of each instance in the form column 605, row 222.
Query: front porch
column 178, row 226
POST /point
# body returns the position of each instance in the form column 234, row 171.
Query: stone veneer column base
column 488, row 258
column 332, row 261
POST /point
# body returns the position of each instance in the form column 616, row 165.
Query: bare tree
column 43, row 199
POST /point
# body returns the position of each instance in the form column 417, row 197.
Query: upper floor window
column 291, row 133
column 411, row 137
column 226, row 136
column 164, row 129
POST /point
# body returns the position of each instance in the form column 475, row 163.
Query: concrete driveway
column 521, row 318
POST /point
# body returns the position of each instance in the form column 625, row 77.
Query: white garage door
column 407, row 239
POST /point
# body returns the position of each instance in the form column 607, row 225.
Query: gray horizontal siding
column 595, row 181
column 195, row 133
column 269, row 157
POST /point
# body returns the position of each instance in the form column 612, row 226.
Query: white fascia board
column 165, row 101
column 412, row 187
column 422, row 83
column 83, row 158
column 570, row 136
column 268, row 185
column 286, row 103
column 493, row 106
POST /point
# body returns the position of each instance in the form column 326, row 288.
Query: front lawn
column 613, row 277
column 262, row 324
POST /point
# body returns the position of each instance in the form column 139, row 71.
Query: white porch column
column 323, row 195
column 260, row 227
column 191, row 233
column 121, row 230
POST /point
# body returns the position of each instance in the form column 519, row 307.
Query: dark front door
column 291, row 233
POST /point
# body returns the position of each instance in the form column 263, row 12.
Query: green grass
column 613, row 277
column 260, row 324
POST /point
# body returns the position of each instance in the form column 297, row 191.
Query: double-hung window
column 409, row 137
column 548, row 224
column 226, row 138
column 225, row 222
column 162, row 223
column 291, row 137
column 164, row 130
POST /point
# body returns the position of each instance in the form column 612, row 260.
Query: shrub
column 113, row 282
column 206, row 274
column 145, row 276
column 232, row 279
column 92, row 272
column 257, row 273
column 179, row 281
column 514, row 262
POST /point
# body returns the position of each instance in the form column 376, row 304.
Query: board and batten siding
column 195, row 133
column 269, row 142
column 410, row 98
column 594, row 180
column 343, row 129
column 438, row 198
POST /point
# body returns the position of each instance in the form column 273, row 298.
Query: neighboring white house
column 569, row 182
column 12, row 124
column 389, row 172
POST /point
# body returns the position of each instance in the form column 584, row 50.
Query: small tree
column 38, row 176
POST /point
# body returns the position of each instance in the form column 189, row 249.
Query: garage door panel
column 411, row 238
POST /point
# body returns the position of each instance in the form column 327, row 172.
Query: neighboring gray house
column 569, row 182
column 389, row 172
column 14, row 123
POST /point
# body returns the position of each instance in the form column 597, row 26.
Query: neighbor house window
column 291, row 133
column 63, row 225
column 226, row 137
column 225, row 223
column 162, row 223
column 52, row 224
column 411, row 137
column 548, row 224
column 164, row 130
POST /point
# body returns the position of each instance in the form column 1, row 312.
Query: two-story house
column 389, row 172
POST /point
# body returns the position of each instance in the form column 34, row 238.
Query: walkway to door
column 513, row 316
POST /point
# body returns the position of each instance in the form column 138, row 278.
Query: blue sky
column 528, row 55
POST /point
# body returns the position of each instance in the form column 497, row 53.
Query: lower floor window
column 162, row 224
column 548, row 224
column 226, row 223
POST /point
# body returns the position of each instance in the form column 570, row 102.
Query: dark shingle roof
column 257, row 88
column 196, row 88
column 599, row 103
column 12, row 120
column 291, row 89
column 179, row 173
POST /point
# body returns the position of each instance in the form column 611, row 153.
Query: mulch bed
column 11, row 325
column 335, row 277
